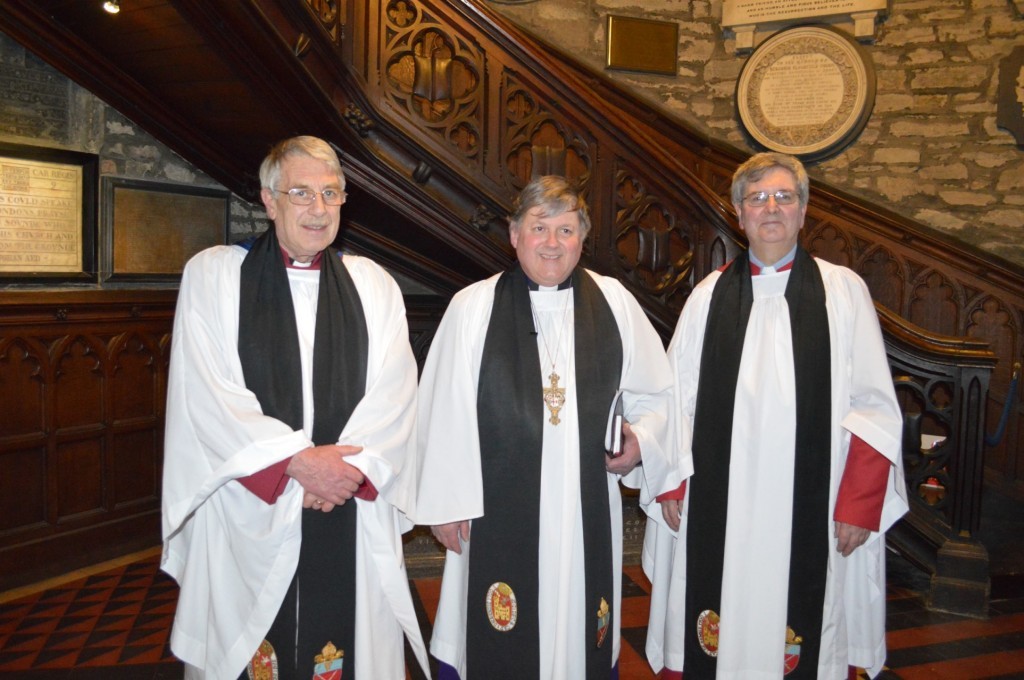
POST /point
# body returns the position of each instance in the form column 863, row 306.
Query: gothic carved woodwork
column 359, row 121
column 433, row 75
column 828, row 242
column 82, row 442
column 302, row 45
column 882, row 273
column 536, row 143
column 329, row 14
column 654, row 246
column 992, row 320
column 941, row 384
column 936, row 299
column 482, row 217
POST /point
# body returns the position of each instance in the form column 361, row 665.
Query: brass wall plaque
column 151, row 229
column 40, row 217
column 807, row 91
column 643, row 45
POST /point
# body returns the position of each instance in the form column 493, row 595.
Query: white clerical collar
column 532, row 285
column 783, row 262
column 313, row 264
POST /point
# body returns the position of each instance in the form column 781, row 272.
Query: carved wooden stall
column 82, row 387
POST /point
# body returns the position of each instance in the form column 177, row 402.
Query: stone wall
column 931, row 150
column 41, row 107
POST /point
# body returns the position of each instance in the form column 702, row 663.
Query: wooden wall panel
column 22, row 489
column 78, row 467
column 82, row 383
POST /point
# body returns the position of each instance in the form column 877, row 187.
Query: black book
column 613, row 435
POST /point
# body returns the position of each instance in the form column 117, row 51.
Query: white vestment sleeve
column 232, row 578
column 873, row 414
column 215, row 428
column 660, row 542
column 866, row 406
column 384, row 421
column 383, row 424
column 646, row 382
column 450, row 485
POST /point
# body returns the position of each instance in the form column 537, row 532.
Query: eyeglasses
column 300, row 196
column 759, row 199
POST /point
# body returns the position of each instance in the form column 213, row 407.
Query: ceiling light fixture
column 112, row 6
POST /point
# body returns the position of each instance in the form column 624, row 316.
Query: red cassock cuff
column 862, row 489
column 269, row 483
column 674, row 495
column 366, row 491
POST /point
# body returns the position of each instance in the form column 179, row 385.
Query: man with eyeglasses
column 290, row 409
column 785, row 401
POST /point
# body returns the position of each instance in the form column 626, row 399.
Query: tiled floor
column 113, row 625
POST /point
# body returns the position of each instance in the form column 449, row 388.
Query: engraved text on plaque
column 40, row 216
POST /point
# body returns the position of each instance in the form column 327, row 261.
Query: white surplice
column 233, row 554
column 450, row 487
column 757, row 544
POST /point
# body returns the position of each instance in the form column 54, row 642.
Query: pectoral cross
column 554, row 397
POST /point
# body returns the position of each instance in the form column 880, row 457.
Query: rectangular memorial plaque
column 737, row 12
column 643, row 45
column 47, row 213
column 151, row 229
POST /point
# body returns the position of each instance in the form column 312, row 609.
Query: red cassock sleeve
column 366, row 491
column 269, row 483
column 862, row 488
column 674, row 495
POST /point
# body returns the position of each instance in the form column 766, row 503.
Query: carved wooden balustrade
column 942, row 384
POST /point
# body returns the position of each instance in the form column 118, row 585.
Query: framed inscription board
column 807, row 91
column 643, row 45
column 47, row 214
column 151, row 229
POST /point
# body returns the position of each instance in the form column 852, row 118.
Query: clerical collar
column 312, row 265
column 784, row 263
column 533, row 285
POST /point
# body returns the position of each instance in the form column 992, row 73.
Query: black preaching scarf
column 321, row 601
column 724, row 337
column 510, row 412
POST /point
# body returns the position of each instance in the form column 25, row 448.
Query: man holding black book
column 515, row 475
